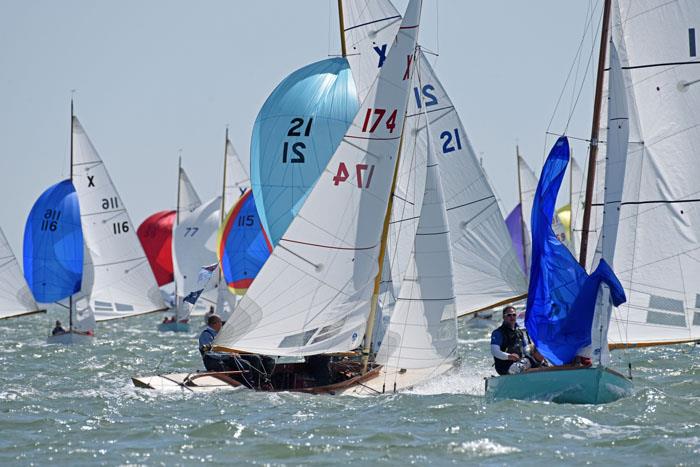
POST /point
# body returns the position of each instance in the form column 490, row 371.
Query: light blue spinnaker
column 53, row 244
column 295, row 134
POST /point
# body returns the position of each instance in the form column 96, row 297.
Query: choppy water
column 76, row 405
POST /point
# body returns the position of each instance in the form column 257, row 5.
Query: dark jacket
column 509, row 341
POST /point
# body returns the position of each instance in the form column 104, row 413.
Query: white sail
column 189, row 199
column 578, row 196
column 528, row 186
column 194, row 246
column 370, row 29
column 122, row 283
column 657, row 258
column 15, row 297
column 422, row 332
column 486, row 269
column 237, row 177
column 313, row 294
column 617, row 149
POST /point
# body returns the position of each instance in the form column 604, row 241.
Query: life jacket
column 211, row 333
column 512, row 342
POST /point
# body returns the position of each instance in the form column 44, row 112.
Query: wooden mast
column 70, row 299
column 369, row 330
column 177, row 212
column 523, row 231
column 219, row 291
column 341, row 22
column 593, row 152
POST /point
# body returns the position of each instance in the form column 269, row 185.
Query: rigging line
column 470, row 203
column 417, row 114
column 651, row 201
column 568, row 77
column 330, row 247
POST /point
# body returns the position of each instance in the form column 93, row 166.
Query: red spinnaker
column 156, row 236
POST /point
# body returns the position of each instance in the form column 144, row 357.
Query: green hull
column 570, row 386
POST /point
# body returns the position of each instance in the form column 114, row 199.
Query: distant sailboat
column 15, row 297
column 115, row 279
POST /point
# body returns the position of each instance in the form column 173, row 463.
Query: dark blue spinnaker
column 561, row 297
column 53, row 244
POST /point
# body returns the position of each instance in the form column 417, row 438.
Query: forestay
column 121, row 282
column 370, row 28
column 15, row 296
column 486, row 269
column 313, row 294
column 422, row 332
column 657, row 255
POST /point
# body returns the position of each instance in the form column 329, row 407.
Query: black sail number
column 293, row 151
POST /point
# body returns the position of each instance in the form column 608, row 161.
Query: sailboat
column 84, row 221
column 195, row 246
column 657, row 233
column 15, row 297
column 156, row 231
column 315, row 296
column 562, row 318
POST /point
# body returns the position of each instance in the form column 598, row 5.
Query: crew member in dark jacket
column 207, row 336
column 507, row 342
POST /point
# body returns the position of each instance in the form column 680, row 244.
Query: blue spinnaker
column 53, row 244
column 295, row 134
column 561, row 297
column 243, row 245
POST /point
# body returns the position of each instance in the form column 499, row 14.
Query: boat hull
column 69, row 338
column 174, row 327
column 597, row 385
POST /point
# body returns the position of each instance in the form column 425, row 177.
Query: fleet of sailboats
column 368, row 226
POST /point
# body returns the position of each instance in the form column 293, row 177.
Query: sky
column 155, row 79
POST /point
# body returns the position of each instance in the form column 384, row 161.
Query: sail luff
column 593, row 151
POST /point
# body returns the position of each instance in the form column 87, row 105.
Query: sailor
column 207, row 336
column 58, row 329
column 508, row 344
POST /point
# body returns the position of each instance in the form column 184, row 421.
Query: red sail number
column 360, row 169
column 371, row 125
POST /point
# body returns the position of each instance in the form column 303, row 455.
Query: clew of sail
column 121, row 281
column 369, row 29
column 422, row 332
column 313, row 294
column 656, row 254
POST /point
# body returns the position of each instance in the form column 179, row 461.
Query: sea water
column 76, row 405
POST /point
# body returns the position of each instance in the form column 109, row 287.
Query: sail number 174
column 364, row 174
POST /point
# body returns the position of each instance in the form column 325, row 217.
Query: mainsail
column 237, row 179
column 486, row 269
column 657, row 254
column 15, row 297
column 369, row 29
column 120, row 279
column 313, row 294
column 188, row 199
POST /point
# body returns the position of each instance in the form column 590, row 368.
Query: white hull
column 184, row 382
column 70, row 338
column 393, row 380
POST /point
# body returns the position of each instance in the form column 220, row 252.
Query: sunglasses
column 511, row 314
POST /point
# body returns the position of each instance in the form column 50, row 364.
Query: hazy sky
column 152, row 77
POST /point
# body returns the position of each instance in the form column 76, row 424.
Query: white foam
column 483, row 448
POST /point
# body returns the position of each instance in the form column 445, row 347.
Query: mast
column 219, row 301
column 177, row 211
column 369, row 330
column 593, row 152
column 522, row 219
column 341, row 22
column 70, row 299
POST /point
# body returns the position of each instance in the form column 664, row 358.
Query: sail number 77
column 360, row 170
